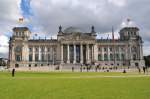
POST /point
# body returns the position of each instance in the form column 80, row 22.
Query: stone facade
column 73, row 46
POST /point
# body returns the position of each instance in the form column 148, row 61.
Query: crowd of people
column 98, row 68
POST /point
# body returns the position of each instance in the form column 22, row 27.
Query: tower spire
column 21, row 20
column 128, row 21
column 92, row 29
column 60, row 29
column 113, row 33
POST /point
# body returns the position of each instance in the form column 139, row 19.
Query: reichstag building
column 74, row 47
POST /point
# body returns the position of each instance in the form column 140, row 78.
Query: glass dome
column 73, row 30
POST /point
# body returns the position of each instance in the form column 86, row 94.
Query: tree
column 147, row 60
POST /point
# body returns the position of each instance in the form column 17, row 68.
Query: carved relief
column 77, row 36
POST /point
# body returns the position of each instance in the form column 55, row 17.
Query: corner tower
column 134, row 45
column 18, row 46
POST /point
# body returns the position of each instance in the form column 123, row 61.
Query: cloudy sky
column 44, row 16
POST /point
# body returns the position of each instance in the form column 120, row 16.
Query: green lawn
column 65, row 85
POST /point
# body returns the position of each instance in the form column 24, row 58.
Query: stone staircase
column 70, row 66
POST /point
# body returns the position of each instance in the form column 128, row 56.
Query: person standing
column 13, row 72
column 139, row 70
column 72, row 69
column 144, row 69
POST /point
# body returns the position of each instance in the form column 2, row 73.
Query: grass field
column 65, row 85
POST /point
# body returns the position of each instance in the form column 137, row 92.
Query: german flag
column 128, row 19
column 20, row 20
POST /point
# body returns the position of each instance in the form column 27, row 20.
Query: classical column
column 39, row 53
column 92, row 53
column 126, row 52
column 108, row 53
column 120, row 54
column 81, row 54
column 23, row 54
column 141, row 52
column 27, row 53
column 87, row 51
column 13, row 54
column 33, row 53
column 68, row 54
column 62, row 61
column 45, row 54
column 74, row 61
column 131, row 58
column 102, row 53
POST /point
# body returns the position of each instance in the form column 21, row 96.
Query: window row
column 43, row 57
column 19, row 33
column 110, row 49
column 42, row 49
column 111, row 57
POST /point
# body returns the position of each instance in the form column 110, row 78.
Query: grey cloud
column 9, row 14
column 103, row 14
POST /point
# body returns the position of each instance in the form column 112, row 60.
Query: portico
column 77, row 53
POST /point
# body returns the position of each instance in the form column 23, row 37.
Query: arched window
column 117, row 56
column 36, row 49
column 134, row 57
column 16, row 33
column 30, row 57
column 99, row 49
column 48, row 49
column 105, row 57
column 111, row 57
column 134, row 49
column 18, row 58
column 42, row 57
column 105, row 49
column 99, row 57
column 30, row 49
column 18, row 49
column 49, row 58
column 111, row 49
column 42, row 49
column 122, row 56
column 36, row 57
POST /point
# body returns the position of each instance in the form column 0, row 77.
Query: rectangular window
column 36, row 57
column 110, row 49
column 42, row 57
column 18, row 58
column 105, row 49
column 111, row 57
column 99, row 49
column 16, row 33
column 48, row 49
column 105, row 57
column 99, row 57
column 123, row 57
column 49, row 57
column 117, row 56
column 30, row 49
column 36, row 49
column 30, row 57
column 42, row 49
column 23, row 33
